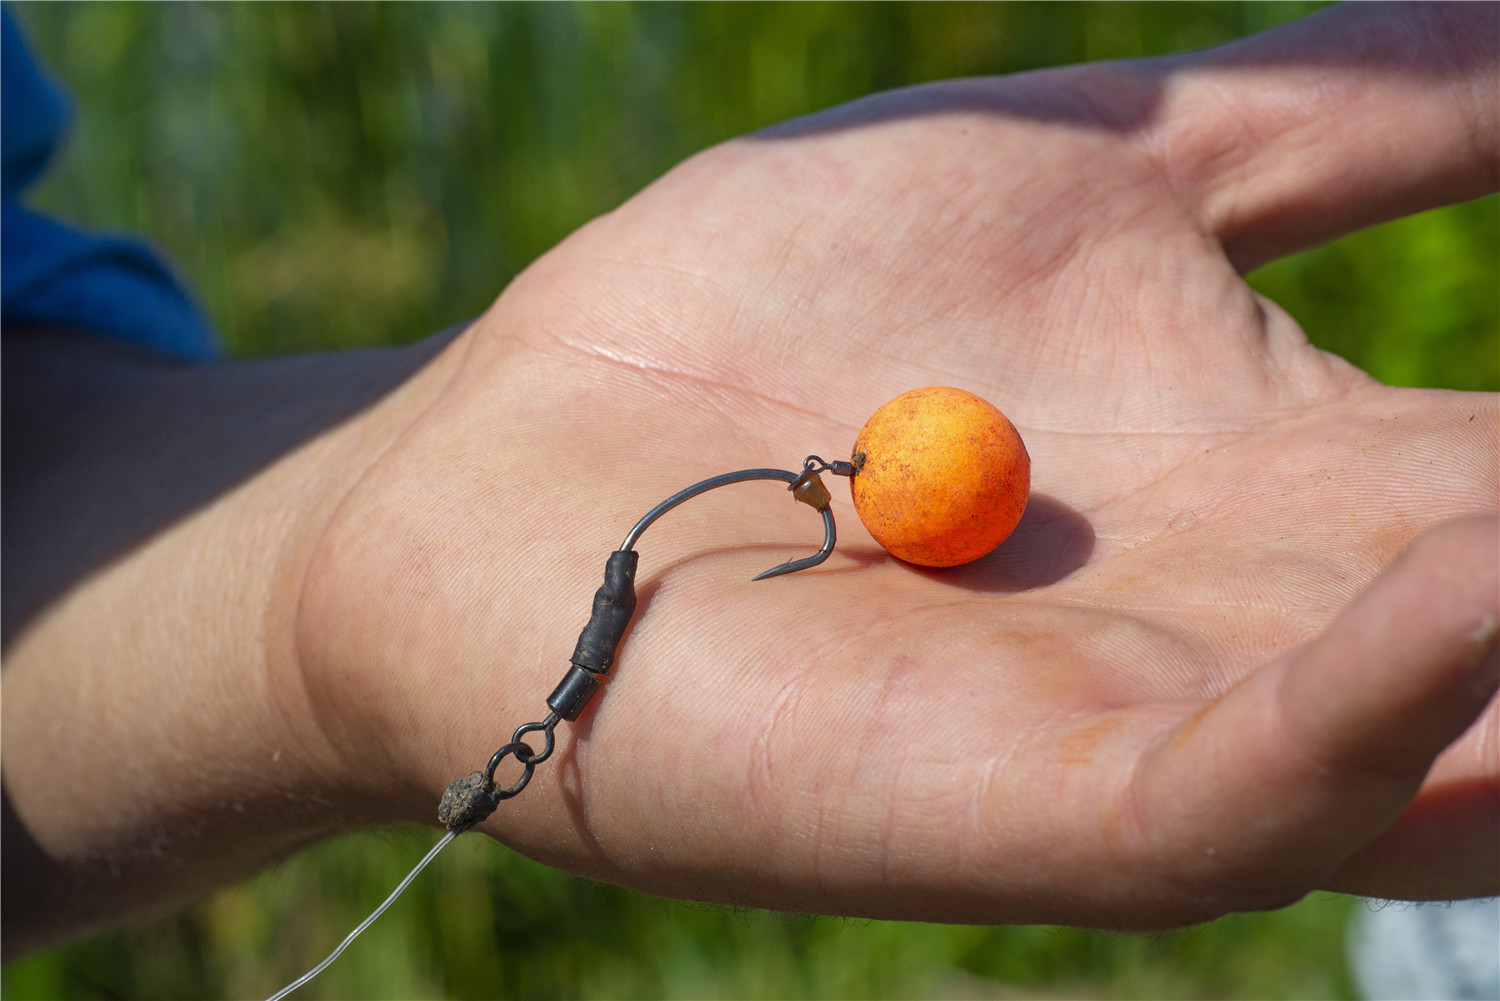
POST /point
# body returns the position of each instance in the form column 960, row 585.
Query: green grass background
column 349, row 175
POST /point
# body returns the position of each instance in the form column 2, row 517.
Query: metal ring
column 524, row 754
column 520, row 783
column 501, row 755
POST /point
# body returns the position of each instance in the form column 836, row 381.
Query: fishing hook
column 614, row 602
column 805, row 486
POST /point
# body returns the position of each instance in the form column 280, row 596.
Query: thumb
column 1411, row 663
column 1289, row 774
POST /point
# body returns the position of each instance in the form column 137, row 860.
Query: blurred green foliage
column 482, row 922
column 342, row 175
column 351, row 174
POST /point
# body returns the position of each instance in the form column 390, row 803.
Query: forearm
column 157, row 734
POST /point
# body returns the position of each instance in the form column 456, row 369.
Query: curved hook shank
column 724, row 479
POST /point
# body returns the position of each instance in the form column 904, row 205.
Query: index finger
column 1351, row 117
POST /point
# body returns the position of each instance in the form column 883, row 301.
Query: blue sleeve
column 109, row 284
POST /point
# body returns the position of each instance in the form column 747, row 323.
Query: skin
column 1243, row 644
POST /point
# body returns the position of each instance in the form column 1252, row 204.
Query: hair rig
column 938, row 476
column 475, row 796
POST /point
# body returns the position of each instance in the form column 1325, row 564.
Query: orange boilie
column 941, row 476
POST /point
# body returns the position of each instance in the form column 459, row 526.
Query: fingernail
column 1484, row 672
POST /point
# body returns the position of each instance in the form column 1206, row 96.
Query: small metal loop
column 530, row 757
column 815, row 464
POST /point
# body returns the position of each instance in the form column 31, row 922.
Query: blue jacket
column 109, row 284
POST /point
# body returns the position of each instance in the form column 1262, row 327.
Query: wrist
column 154, row 707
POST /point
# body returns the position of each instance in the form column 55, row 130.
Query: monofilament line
column 367, row 921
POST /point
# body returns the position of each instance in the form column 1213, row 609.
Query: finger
column 1448, row 841
column 1348, row 118
column 1289, row 774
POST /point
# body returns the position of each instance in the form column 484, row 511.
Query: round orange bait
column 941, row 476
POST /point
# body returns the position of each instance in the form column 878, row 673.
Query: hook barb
column 807, row 563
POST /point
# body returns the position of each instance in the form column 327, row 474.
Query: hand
column 250, row 604
column 1200, row 677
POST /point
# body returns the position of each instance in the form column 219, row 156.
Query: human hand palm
column 1043, row 735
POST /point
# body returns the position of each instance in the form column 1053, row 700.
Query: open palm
column 1182, row 687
